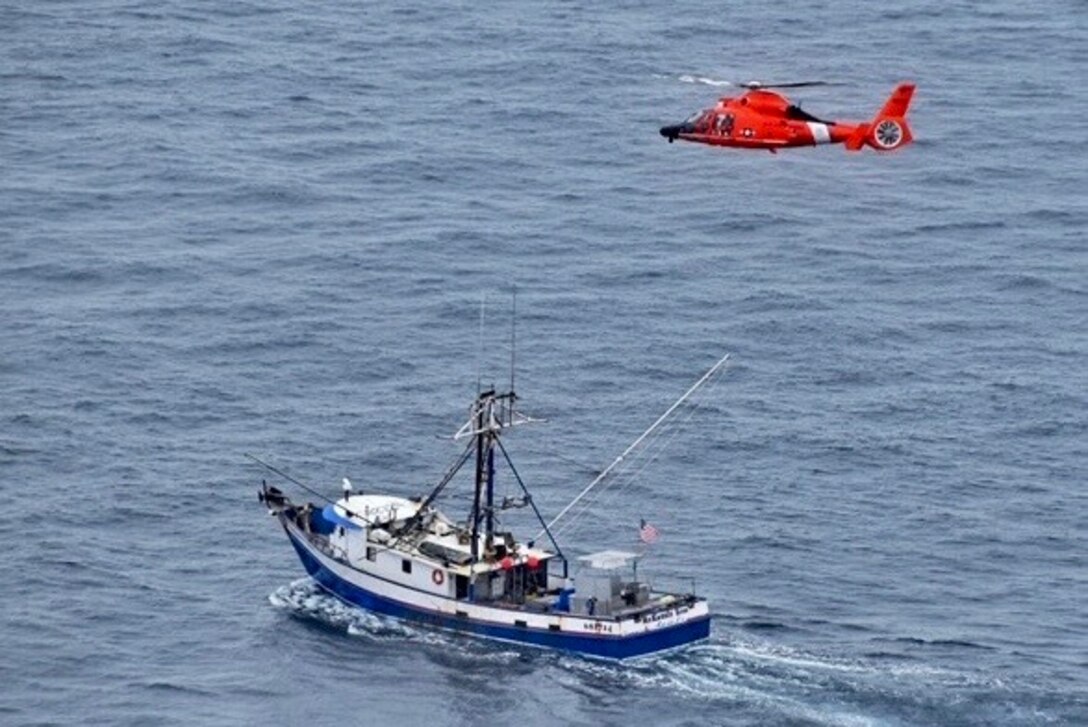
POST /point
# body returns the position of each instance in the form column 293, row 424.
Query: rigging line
column 576, row 463
column 529, row 497
column 660, row 442
column 608, row 495
column 617, row 487
column 627, row 470
column 663, row 443
column 446, row 479
column 638, row 441
column 633, row 477
column 304, row 486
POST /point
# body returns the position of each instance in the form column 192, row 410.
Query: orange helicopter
column 763, row 119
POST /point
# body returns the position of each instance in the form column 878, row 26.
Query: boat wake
column 739, row 672
column 760, row 678
column 305, row 599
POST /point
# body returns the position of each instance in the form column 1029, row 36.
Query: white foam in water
column 787, row 657
column 800, row 685
column 706, row 81
column 708, row 685
column 304, row 597
column 718, row 678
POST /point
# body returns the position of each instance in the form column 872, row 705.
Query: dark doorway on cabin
column 461, row 584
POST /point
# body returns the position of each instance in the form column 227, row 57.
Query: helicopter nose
column 672, row 133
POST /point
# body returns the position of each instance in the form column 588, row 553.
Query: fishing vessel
column 403, row 557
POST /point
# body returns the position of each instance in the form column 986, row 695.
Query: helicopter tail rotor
column 889, row 129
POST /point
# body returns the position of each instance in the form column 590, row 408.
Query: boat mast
column 490, row 415
column 483, row 489
column 489, row 519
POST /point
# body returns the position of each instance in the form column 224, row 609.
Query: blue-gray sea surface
column 267, row 227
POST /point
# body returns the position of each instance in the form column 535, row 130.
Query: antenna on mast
column 513, row 343
column 480, row 348
column 513, row 333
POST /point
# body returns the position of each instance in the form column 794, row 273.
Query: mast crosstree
column 491, row 414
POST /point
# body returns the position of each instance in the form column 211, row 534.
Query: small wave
column 975, row 226
column 179, row 688
column 1051, row 215
column 1045, row 429
column 959, row 643
column 763, row 625
column 1018, row 282
column 56, row 273
column 44, row 77
column 888, row 655
column 7, row 450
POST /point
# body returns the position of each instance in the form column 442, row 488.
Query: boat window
column 371, row 553
column 406, row 565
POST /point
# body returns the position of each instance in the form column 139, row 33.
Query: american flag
column 647, row 533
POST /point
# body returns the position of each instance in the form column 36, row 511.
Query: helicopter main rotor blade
column 753, row 85
column 795, row 84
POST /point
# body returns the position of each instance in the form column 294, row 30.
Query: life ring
column 438, row 577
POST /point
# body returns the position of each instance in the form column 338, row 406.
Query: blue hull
column 588, row 645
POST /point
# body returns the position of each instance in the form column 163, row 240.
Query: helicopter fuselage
column 758, row 120
column 763, row 119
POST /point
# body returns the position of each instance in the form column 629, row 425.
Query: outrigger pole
column 618, row 460
column 304, row 486
column 454, row 468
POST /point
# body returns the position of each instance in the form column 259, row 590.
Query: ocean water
column 267, row 228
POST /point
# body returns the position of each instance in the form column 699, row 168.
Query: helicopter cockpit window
column 700, row 119
column 724, row 124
